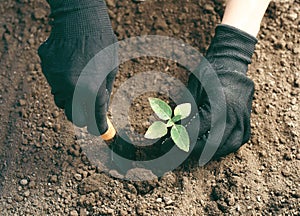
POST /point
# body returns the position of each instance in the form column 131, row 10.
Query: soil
column 43, row 170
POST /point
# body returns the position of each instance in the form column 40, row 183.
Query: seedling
column 159, row 129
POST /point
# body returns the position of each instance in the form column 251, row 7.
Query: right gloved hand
column 227, row 59
column 80, row 30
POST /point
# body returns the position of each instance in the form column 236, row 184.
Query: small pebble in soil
column 57, row 127
column 110, row 211
column 230, row 200
column 296, row 50
column 73, row 213
column 159, row 200
column 19, row 188
column 82, row 212
column 292, row 16
column 168, row 200
column 78, row 177
column 285, row 172
column 39, row 13
column 22, row 102
column 18, row 198
column 53, row 179
column 24, row 182
column 123, row 213
column 9, row 200
column 31, row 184
column 27, row 193
column 258, row 198
column 55, row 114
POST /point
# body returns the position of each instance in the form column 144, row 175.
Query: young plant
column 159, row 129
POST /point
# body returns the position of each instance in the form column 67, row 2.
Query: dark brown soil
column 43, row 170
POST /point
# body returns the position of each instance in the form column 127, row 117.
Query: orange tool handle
column 110, row 133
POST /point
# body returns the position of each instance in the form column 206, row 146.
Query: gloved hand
column 229, row 54
column 80, row 29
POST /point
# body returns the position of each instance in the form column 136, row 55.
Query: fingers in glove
column 61, row 88
column 76, row 113
column 205, row 119
column 202, row 73
column 193, row 86
column 96, row 112
column 59, row 102
column 110, row 80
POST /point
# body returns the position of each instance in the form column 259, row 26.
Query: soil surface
column 43, row 170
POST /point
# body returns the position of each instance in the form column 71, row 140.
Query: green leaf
column 161, row 108
column 180, row 137
column 184, row 110
column 157, row 130
column 170, row 123
column 176, row 118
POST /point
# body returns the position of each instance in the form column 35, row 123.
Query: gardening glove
column 228, row 57
column 80, row 29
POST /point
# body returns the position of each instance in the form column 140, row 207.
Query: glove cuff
column 77, row 18
column 231, row 48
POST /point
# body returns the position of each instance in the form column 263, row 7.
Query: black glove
column 80, row 29
column 228, row 56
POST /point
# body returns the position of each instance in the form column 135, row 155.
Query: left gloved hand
column 80, row 30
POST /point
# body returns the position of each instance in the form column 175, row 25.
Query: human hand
column 228, row 57
column 80, row 30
